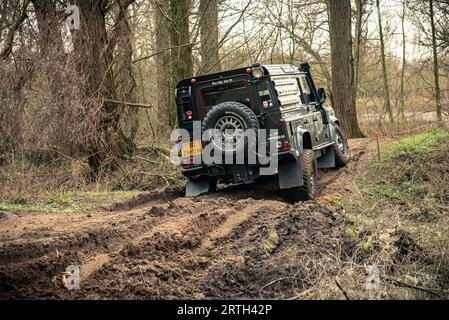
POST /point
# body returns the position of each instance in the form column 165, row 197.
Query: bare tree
column 164, row 93
column 435, row 64
column 6, row 50
column 404, row 62
column 121, row 42
column 386, row 88
column 358, row 54
column 210, row 59
column 181, row 52
column 94, row 60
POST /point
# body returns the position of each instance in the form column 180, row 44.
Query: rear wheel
column 309, row 190
column 341, row 147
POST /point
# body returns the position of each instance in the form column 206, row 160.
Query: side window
column 265, row 95
column 301, row 95
column 306, row 92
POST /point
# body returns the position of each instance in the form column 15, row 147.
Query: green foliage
column 20, row 200
column 65, row 202
column 416, row 145
column 336, row 201
column 367, row 245
column 352, row 230
column 60, row 199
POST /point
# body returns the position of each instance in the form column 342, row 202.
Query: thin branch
column 162, row 51
column 131, row 104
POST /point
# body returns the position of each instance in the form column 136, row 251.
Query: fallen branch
column 131, row 104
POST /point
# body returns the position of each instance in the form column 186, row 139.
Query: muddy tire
column 341, row 148
column 233, row 116
column 310, row 177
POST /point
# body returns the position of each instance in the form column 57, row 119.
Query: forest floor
column 239, row 242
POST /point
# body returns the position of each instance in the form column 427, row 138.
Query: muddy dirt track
column 237, row 243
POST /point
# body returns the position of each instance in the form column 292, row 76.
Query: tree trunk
column 94, row 61
column 165, row 100
column 210, row 60
column 387, row 104
column 435, row 67
column 124, row 77
column 343, row 66
column 51, row 46
column 181, row 54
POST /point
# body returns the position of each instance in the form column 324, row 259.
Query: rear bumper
column 237, row 173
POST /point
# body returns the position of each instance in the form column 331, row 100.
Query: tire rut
column 163, row 246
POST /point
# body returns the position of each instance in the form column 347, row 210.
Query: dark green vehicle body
column 282, row 97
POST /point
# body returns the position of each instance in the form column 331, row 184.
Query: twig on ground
column 143, row 278
column 341, row 289
column 409, row 286
column 300, row 294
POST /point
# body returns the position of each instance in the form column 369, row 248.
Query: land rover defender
column 276, row 98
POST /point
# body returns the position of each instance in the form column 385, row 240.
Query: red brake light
column 193, row 81
column 189, row 114
column 248, row 70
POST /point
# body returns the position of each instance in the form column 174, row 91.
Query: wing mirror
column 322, row 95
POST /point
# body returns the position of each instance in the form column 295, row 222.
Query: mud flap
column 197, row 186
column 290, row 175
column 327, row 160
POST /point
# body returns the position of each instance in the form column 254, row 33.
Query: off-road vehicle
column 258, row 97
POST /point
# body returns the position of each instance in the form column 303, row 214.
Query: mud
column 240, row 242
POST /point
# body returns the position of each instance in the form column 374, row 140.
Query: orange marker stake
column 377, row 136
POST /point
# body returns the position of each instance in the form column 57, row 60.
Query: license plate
column 191, row 148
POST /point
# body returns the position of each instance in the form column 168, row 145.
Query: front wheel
column 341, row 148
column 309, row 189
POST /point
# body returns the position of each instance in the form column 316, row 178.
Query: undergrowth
column 414, row 174
column 64, row 184
column 405, row 200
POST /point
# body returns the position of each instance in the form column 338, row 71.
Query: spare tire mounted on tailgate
column 230, row 119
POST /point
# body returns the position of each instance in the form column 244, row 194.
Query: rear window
column 235, row 91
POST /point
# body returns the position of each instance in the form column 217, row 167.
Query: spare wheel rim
column 231, row 130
